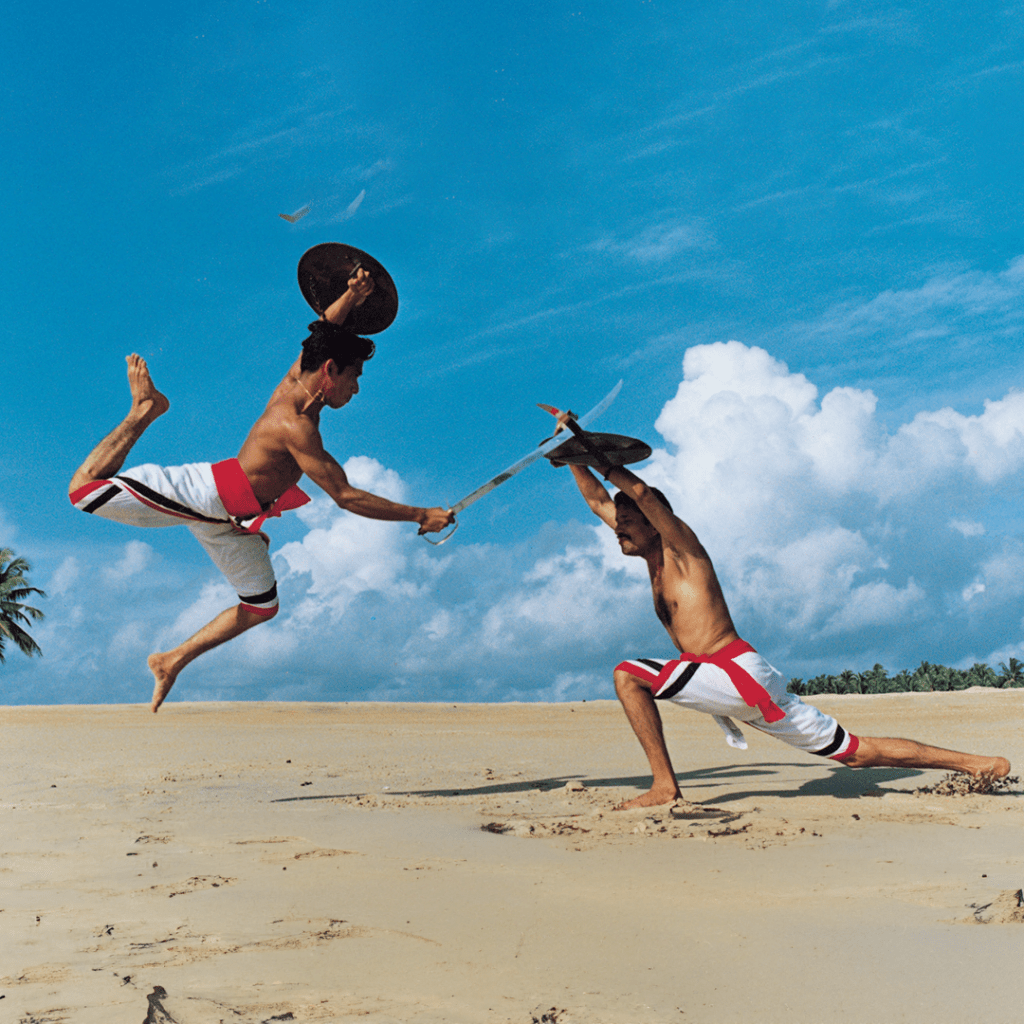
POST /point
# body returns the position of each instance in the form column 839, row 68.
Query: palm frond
column 25, row 643
column 14, row 589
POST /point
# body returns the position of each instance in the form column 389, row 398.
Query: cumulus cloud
column 345, row 554
column 822, row 523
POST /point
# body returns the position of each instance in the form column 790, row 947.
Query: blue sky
column 794, row 230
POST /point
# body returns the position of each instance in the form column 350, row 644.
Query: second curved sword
column 538, row 453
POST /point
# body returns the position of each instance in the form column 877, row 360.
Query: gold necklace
column 318, row 397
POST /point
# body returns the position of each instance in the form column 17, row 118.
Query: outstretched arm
column 594, row 494
column 323, row 469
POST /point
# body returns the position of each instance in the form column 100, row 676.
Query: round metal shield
column 324, row 271
column 617, row 449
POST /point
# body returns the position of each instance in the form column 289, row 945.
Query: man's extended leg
column 878, row 752
column 230, row 623
column 638, row 703
column 109, row 455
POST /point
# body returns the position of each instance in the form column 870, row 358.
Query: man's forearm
column 372, row 506
column 623, row 478
column 590, row 487
column 594, row 494
column 337, row 312
column 627, row 481
column 360, row 285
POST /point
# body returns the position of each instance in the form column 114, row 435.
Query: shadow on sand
column 841, row 782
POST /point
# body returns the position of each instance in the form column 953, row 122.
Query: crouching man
column 715, row 671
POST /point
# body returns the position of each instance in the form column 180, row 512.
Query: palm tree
column 13, row 590
column 1012, row 675
column 849, row 682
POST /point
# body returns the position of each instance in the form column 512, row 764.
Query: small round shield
column 324, row 271
column 616, row 449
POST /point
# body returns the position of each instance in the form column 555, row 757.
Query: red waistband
column 240, row 502
column 753, row 693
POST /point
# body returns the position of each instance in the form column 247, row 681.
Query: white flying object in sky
column 354, row 205
column 293, row 217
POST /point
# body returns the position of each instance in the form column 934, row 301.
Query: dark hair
column 622, row 498
column 330, row 341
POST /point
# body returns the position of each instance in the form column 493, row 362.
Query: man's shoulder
column 282, row 418
column 683, row 548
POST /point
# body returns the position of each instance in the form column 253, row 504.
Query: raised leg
column 166, row 665
column 876, row 752
column 109, row 455
column 638, row 703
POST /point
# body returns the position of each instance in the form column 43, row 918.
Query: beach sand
column 258, row 862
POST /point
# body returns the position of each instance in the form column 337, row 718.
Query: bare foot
column 163, row 679
column 147, row 402
column 654, row 797
column 992, row 768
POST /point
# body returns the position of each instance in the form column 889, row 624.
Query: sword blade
column 538, row 453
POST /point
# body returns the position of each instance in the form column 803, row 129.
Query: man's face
column 632, row 529
column 344, row 384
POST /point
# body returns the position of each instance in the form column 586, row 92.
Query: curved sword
column 538, row 453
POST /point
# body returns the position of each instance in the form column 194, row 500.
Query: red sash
column 753, row 693
column 240, row 502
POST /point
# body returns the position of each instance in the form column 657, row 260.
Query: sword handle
column 602, row 459
column 446, row 537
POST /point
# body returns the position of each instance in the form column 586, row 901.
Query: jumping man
column 224, row 504
column 716, row 672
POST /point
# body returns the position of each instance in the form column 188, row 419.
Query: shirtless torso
column 687, row 596
column 285, row 443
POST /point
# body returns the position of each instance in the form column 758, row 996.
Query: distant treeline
column 924, row 677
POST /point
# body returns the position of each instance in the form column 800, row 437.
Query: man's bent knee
column 82, row 488
column 626, row 682
column 259, row 615
column 263, row 605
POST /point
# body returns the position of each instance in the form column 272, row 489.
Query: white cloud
column 656, row 243
column 876, row 604
column 929, row 311
column 967, row 527
column 741, row 422
column 355, row 204
column 575, row 593
column 130, row 641
column 64, row 577
column 345, row 554
column 215, row 596
column 577, row 686
column 137, row 556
